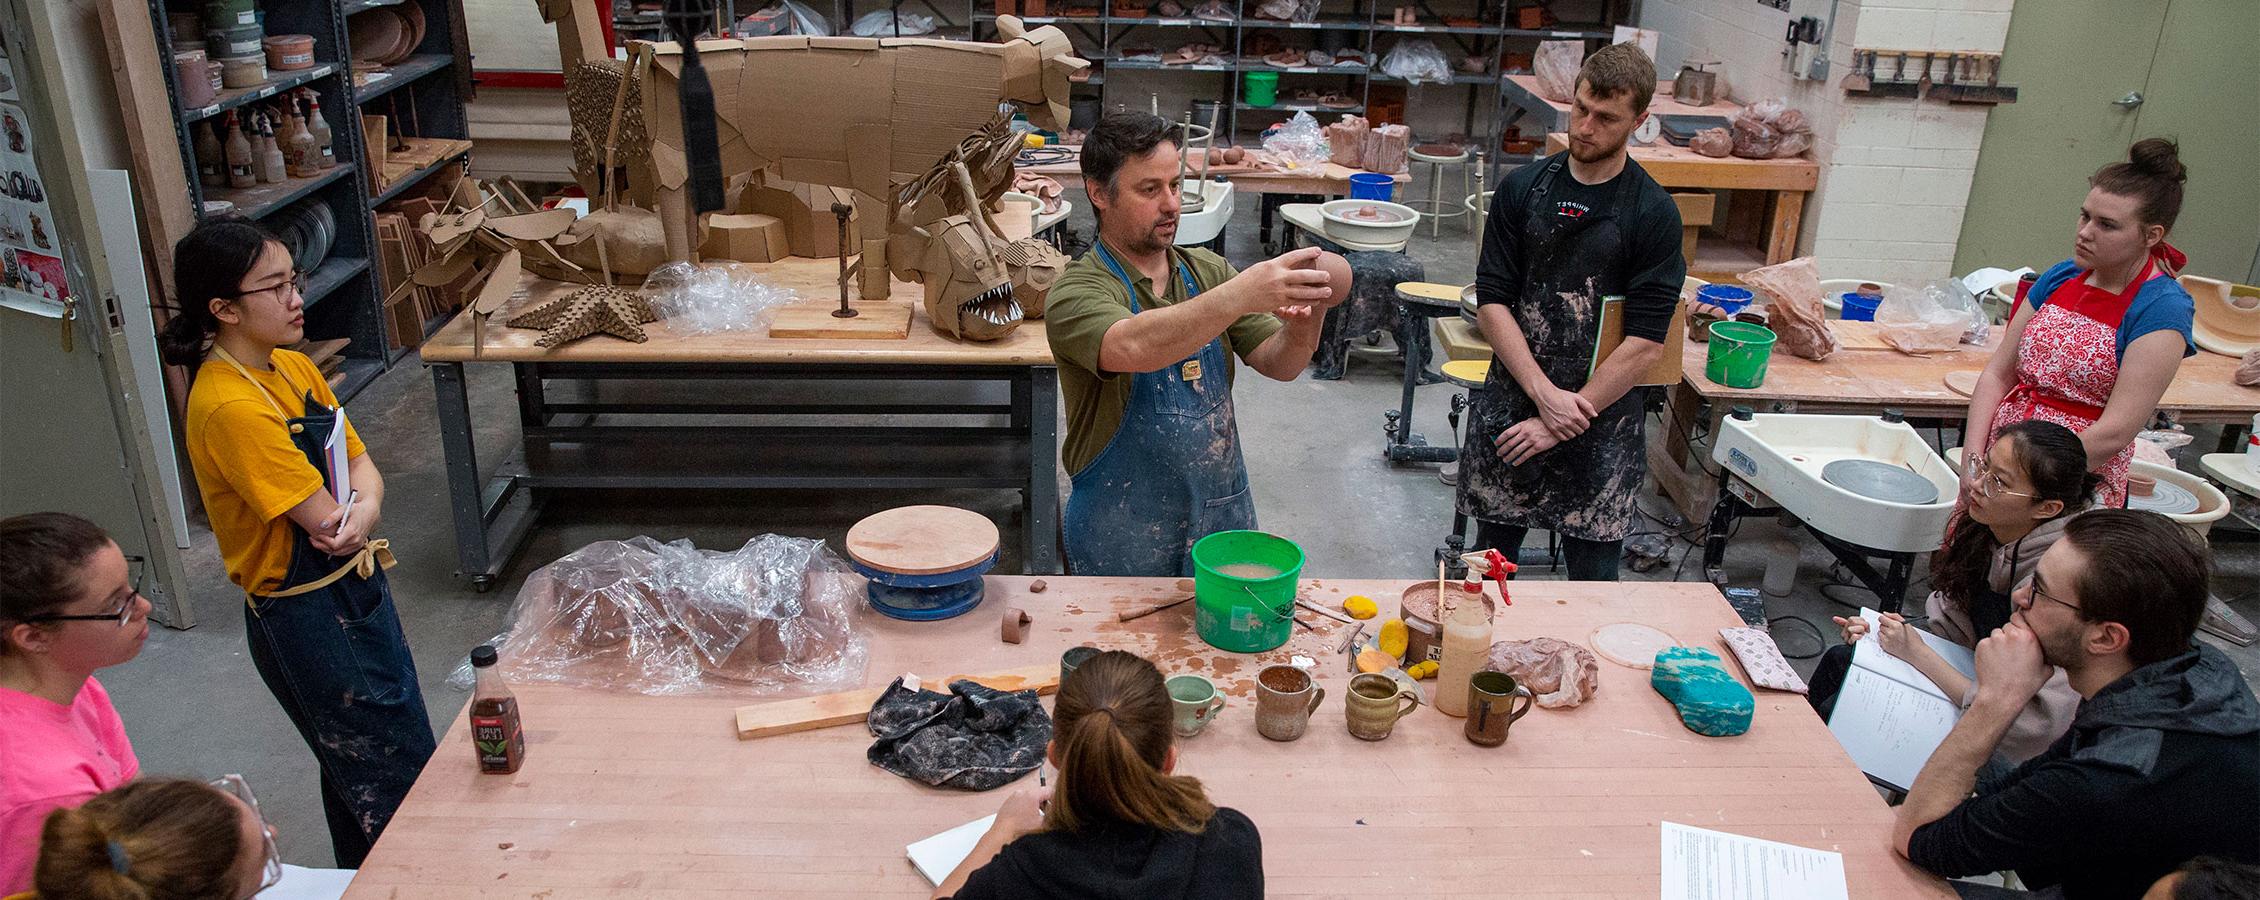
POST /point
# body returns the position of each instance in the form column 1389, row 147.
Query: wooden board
column 875, row 320
column 1665, row 370
column 1859, row 335
column 624, row 795
column 762, row 720
column 1963, row 382
column 421, row 153
column 923, row 540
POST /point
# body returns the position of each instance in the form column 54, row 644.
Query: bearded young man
column 1554, row 437
column 1145, row 333
column 2162, row 762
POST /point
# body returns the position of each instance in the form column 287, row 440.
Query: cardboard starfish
column 584, row 312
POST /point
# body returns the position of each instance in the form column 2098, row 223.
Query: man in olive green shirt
column 1140, row 328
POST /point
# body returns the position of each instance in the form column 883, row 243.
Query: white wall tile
column 1966, row 31
column 1896, row 28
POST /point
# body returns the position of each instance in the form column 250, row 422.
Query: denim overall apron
column 1173, row 472
column 329, row 646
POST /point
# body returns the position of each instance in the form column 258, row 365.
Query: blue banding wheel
column 925, row 598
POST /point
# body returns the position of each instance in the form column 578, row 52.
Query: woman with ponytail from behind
column 2099, row 336
column 2032, row 482
column 159, row 839
column 1117, row 823
column 318, row 612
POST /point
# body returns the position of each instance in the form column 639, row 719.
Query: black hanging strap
column 686, row 19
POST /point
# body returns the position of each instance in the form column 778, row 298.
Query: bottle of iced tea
column 495, row 731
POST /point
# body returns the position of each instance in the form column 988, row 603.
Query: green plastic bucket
column 1260, row 88
column 1738, row 354
column 1244, row 586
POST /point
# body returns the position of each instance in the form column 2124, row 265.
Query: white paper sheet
column 1700, row 864
column 300, row 883
column 936, row 857
column 1889, row 729
column 1869, row 654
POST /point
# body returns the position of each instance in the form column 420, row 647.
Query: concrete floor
column 193, row 704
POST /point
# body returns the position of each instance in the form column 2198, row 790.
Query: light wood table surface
column 1755, row 234
column 1867, row 382
column 1328, row 180
column 704, row 412
column 810, row 279
column 631, row 796
column 1523, row 95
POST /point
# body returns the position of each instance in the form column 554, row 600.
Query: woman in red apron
column 2098, row 337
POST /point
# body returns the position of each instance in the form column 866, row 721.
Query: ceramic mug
column 1491, row 707
column 1285, row 698
column 1375, row 703
column 1195, row 703
column 1075, row 656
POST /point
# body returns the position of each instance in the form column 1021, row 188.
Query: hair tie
column 119, row 861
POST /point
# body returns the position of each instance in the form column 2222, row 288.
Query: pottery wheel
column 2167, row 498
column 1630, row 644
column 1880, row 481
column 923, row 540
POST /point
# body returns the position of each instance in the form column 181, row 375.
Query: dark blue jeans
column 1585, row 560
column 338, row 663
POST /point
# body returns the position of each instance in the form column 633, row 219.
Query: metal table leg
column 1040, row 502
column 462, row 459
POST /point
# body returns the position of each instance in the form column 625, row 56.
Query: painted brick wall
column 1895, row 174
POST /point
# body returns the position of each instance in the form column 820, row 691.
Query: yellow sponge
column 1360, row 606
column 1392, row 640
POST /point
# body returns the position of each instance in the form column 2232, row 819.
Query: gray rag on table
column 973, row 738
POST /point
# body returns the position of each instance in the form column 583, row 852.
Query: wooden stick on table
column 1142, row 612
column 760, row 720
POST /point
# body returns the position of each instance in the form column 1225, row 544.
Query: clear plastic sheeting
column 1556, row 64
column 885, row 23
column 709, row 298
column 1936, row 317
column 1299, row 143
column 1417, row 61
column 638, row 615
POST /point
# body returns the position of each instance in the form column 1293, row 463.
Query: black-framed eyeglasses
column 124, row 612
column 234, row 785
column 2043, row 594
column 296, row 282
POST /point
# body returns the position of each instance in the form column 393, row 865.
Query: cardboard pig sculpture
column 914, row 128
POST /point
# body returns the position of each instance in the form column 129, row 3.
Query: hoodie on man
column 2160, row 766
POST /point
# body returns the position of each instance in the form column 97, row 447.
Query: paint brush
column 1142, row 612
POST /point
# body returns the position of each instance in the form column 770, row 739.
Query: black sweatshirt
column 2160, row 766
column 1130, row 862
column 1653, row 270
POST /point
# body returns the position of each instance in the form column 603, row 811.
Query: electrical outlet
column 1782, row 5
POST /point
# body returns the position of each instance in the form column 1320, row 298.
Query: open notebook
column 1890, row 717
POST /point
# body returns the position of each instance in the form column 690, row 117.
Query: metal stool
column 1434, row 207
column 1417, row 302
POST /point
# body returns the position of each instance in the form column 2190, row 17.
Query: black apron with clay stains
column 1583, row 487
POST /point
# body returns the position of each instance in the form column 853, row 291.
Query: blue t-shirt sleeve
column 2161, row 305
column 2049, row 281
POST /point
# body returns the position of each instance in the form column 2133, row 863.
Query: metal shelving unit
column 342, row 293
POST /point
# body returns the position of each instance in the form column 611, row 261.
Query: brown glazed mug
column 1375, row 703
column 1285, row 698
column 1491, row 707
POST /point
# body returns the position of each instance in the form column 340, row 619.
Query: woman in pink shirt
column 68, row 606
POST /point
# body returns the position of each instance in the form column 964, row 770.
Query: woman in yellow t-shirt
column 319, row 615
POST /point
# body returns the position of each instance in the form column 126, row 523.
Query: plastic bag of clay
column 1298, row 144
column 1930, row 319
column 1385, row 147
column 882, row 23
column 1345, row 141
column 1794, row 308
column 1559, row 674
column 1556, row 65
column 2159, row 445
column 664, row 619
column 1717, row 143
column 710, row 298
column 1417, row 61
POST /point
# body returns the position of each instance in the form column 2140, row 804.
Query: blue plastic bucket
column 1372, row 186
column 1860, row 307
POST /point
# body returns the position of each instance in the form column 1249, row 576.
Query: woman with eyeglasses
column 2031, row 482
column 67, row 607
column 160, row 837
column 319, row 614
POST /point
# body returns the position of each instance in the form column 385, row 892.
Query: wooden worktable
column 1522, row 94
column 1755, row 234
column 1328, row 180
column 633, row 796
column 1867, row 382
column 705, row 412
column 811, row 279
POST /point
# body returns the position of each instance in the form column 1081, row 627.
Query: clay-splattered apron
column 1584, row 487
column 2067, row 364
column 1173, row 472
column 329, row 646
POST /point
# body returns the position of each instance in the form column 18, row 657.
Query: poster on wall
column 31, row 267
